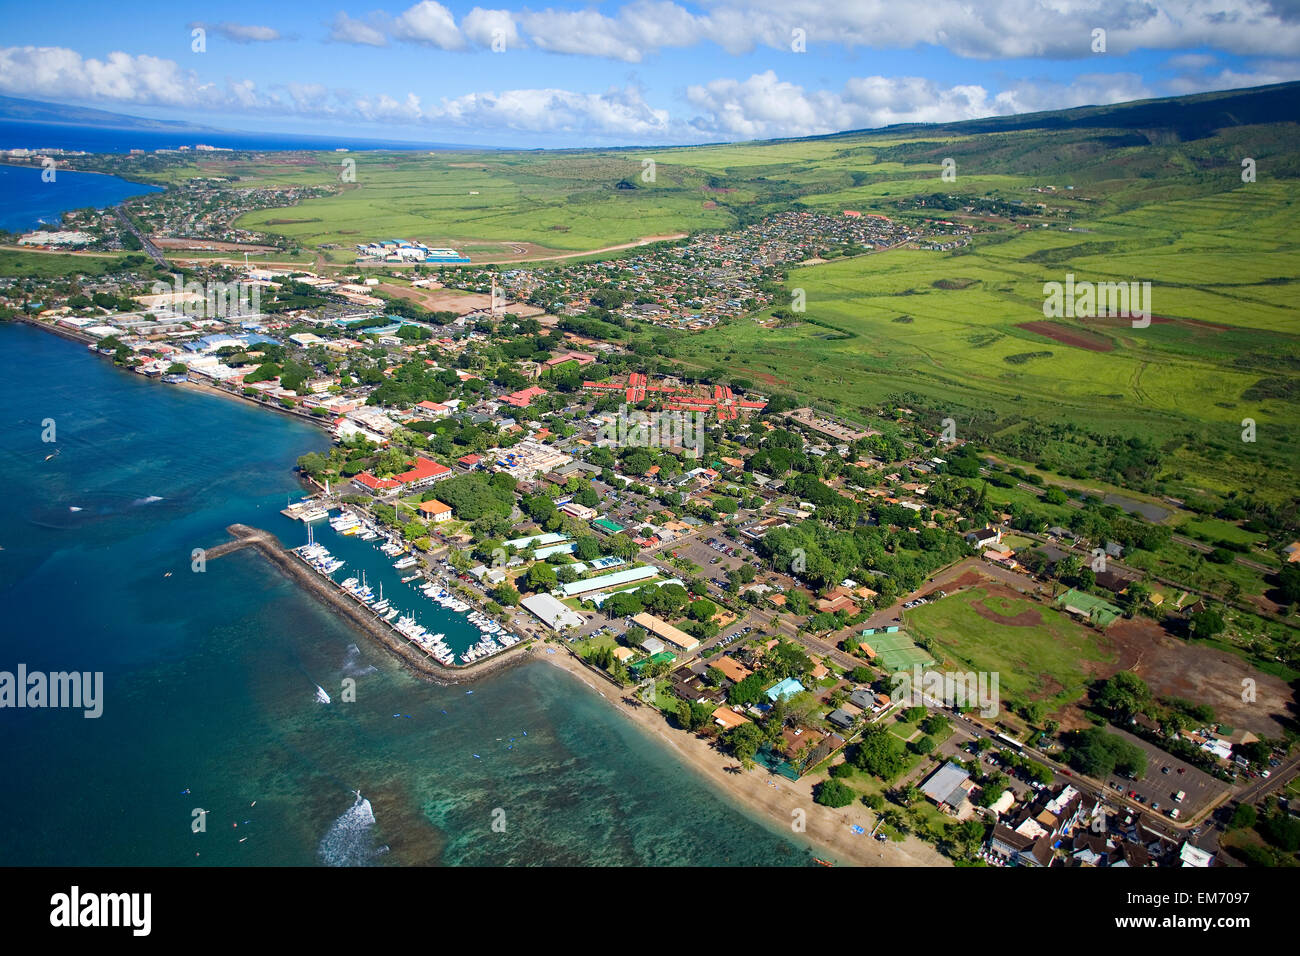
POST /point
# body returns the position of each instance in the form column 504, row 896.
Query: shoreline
column 827, row 830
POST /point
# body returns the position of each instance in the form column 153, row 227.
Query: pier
column 329, row 594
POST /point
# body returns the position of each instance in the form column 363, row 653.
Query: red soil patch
column 710, row 204
column 765, row 377
column 1077, row 338
column 1173, row 668
column 1030, row 617
column 1126, row 321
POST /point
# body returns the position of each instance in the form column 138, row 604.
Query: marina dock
column 326, row 590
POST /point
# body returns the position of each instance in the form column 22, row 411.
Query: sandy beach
column 766, row 796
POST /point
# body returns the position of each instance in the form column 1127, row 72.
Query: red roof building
column 375, row 485
column 524, row 397
column 425, row 472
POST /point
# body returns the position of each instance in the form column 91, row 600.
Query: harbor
column 431, row 654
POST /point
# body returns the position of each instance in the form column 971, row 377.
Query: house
column 623, row 654
column 652, row 645
column 1028, row 838
column 1195, row 856
column 728, row 719
column 432, row 410
column 435, row 511
column 1292, row 551
column 949, row 787
column 984, row 537
column 786, row 688
column 468, row 462
column 839, row 599
column 864, row 698
column 840, row 718
column 578, row 511
column 732, row 669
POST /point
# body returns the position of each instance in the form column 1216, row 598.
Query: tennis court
column 897, row 652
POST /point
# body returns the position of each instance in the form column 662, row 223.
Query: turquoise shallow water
column 211, row 679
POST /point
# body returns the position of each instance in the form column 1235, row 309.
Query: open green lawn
column 44, row 265
column 1042, row 661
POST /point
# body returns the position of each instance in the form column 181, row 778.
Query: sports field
column 1037, row 652
column 897, row 652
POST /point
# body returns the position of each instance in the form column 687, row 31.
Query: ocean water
column 27, row 201
column 215, row 681
column 105, row 139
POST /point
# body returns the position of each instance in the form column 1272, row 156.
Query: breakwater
column 329, row 594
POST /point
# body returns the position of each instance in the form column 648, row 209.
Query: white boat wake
column 348, row 842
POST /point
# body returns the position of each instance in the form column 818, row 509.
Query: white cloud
column 241, row 33
column 481, row 27
column 1054, row 29
column 431, row 23
column 119, row 77
column 640, row 28
column 761, row 106
column 347, row 30
column 764, row 106
column 614, row 113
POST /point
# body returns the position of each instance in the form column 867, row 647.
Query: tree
column 1124, row 695
column 744, row 742
column 541, row 577
column 1206, row 624
column 833, row 793
column 924, row 746
column 505, row 594
column 1243, row 817
column 879, row 752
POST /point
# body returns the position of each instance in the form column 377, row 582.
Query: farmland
column 1101, row 194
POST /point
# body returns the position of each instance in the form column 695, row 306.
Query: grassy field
column 42, row 265
column 885, row 326
column 950, row 333
column 1041, row 661
column 560, row 201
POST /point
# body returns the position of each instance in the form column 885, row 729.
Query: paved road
column 152, row 251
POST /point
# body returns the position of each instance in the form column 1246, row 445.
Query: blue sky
column 625, row 73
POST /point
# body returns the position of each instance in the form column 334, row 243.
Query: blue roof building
column 786, row 688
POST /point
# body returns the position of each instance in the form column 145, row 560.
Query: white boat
column 407, row 562
column 313, row 514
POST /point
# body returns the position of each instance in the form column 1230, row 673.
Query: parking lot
column 698, row 551
column 1165, row 776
